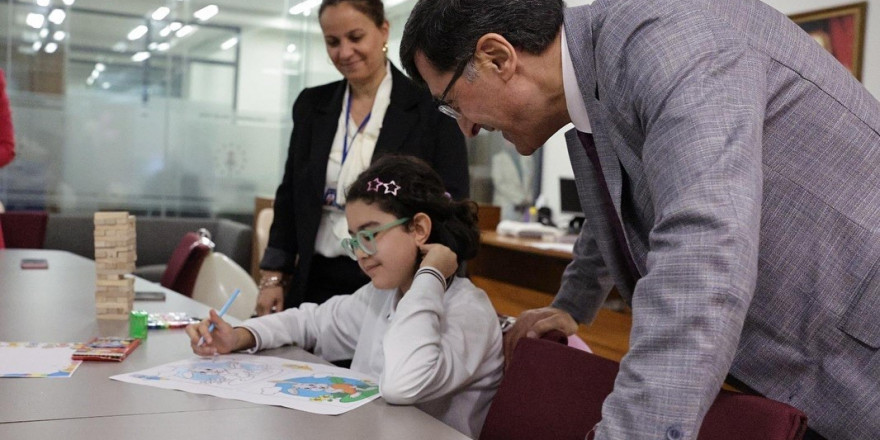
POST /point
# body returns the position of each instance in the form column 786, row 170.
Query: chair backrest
column 261, row 232
column 218, row 278
column 186, row 260
column 554, row 391
column 24, row 229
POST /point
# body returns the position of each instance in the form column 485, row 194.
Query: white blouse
column 340, row 174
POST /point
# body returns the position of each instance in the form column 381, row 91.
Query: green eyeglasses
column 366, row 240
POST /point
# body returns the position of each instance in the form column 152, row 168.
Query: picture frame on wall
column 840, row 30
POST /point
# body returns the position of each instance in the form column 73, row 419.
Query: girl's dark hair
column 454, row 223
column 374, row 9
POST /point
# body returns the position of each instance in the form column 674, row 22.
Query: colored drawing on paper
column 37, row 359
column 322, row 389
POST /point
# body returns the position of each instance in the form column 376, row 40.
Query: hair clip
column 390, row 188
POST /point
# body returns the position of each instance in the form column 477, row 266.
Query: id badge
column 330, row 197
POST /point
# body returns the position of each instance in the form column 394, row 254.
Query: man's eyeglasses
column 366, row 240
column 442, row 105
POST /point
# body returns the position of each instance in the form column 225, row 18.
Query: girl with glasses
column 430, row 338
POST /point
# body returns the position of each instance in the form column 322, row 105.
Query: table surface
column 57, row 305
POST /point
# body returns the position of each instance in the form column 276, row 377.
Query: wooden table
column 57, row 305
column 519, row 276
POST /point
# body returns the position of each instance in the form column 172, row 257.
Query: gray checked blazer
column 744, row 162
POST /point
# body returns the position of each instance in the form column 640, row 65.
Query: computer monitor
column 569, row 202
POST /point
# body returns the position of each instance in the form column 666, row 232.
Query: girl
column 432, row 339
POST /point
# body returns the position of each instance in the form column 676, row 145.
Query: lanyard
column 345, row 141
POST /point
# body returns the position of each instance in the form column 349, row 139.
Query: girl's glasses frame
column 365, row 240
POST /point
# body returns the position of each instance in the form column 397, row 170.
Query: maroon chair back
column 24, row 229
column 552, row 391
column 186, row 260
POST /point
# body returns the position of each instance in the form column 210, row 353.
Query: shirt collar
column 574, row 100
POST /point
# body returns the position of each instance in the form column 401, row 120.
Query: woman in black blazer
column 338, row 129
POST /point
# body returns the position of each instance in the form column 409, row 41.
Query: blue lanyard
column 345, row 141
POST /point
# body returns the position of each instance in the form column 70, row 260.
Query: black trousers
column 329, row 277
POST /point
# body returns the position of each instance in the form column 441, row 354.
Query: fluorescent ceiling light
column 166, row 31
column 301, row 7
column 37, row 45
column 68, row 2
column 35, row 21
column 105, row 85
column 160, row 13
column 100, row 67
column 229, row 44
column 44, row 33
column 57, row 16
column 291, row 48
column 42, row 2
column 51, row 47
column 140, row 56
column 162, row 47
column 206, row 13
column 175, row 26
column 58, row 35
column 137, row 32
column 184, row 31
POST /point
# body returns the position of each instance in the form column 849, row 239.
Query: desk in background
column 57, row 305
column 518, row 276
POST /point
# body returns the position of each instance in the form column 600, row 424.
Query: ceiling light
column 302, row 7
column 42, row 3
column 105, row 85
column 51, row 47
column 229, row 44
column 137, row 32
column 140, row 56
column 152, row 46
column 57, row 16
column 69, row 2
column 160, row 13
column 166, row 31
column 162, row 47
column 184, row 31
column 291, row 48
column 100, row 67
column 90, row 81
column 206, row 13
column 37, row 45
column 44, row 33
column 58, row 35
column 35, row 21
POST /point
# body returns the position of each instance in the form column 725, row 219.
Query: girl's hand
column 439, row 257
column 222, row 340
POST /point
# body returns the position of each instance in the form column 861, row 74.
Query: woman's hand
column 270, row 300
column 439, row 257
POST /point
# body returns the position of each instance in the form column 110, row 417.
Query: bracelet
column 272, row 281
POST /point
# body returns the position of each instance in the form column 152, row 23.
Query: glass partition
column 163, row 107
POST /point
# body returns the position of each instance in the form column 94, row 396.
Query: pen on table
column 221, row 313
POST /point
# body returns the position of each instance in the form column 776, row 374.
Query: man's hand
column 534, row 323
column 269, row 298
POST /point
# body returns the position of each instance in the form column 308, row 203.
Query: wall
column 556, row 161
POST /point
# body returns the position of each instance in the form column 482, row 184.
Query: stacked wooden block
column 115, row 257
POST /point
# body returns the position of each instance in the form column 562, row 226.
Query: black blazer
column 412, row 126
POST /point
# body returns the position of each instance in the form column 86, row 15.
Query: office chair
column 556, row 392
column 186, row 261
column 218, row 277
column 24, row 229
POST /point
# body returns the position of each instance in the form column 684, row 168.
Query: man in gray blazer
column 731, row 185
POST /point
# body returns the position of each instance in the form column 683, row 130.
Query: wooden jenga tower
column 115, row 255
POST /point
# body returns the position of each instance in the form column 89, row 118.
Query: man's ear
column 494, row 50
column 421, row 227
